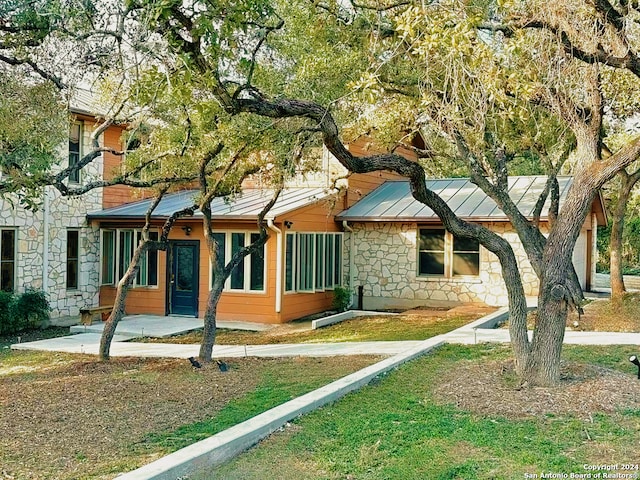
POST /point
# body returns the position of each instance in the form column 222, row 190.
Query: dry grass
column 602, row 315
column 609, row 316
column 416, row 324
column 72, row 417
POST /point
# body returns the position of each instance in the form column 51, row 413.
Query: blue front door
column 183, row 277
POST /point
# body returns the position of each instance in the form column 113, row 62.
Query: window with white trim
column 75, row 149
column 441, row 253
column 313, row 261
column 73, row 258
column 116, row 251
column 249, row 274
column 7, row 260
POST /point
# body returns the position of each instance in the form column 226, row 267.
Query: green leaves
column 33, row 124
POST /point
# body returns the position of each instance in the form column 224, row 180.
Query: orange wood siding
column 117, row 194
column 297, row 305
column 361, row 184
column 250, row 306
column 316, row 218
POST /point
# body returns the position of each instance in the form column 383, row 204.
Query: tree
column 627, row 183
column 478, row 74
column 489, row 80
column 124, row 284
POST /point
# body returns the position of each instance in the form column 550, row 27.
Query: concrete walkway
column 89, row 342
column 480, row 331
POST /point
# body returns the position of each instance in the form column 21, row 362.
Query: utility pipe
column 346, row 226
column 278, row 264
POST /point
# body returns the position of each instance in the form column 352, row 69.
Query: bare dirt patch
column 491, row 388
column 90, row 419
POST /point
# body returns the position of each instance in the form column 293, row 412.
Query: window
column 431, row 251
column 313, row 261
column 75, row 142
column 117, row 247
column 237, row 274
column 73, row 255
column 306, row 261
column 466, row 256
column 290, row 264
column 249, row 274
column 148, row 273
column 443, row 254
column 319, row 261
column 7, row 260
column 108, row 250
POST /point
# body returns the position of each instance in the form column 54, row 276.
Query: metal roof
column 84, row 102
column 393, row 202
column 244, row 206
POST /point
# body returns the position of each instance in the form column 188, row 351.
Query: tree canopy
column 494, row 87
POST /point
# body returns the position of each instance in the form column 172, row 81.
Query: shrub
column 6, row 298
column 32, row 308
column 22, row 312
column 341, row 298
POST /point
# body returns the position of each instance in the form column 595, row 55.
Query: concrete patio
column 137, row 326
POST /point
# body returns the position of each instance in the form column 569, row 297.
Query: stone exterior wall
column 384, row 263
column 60, row 214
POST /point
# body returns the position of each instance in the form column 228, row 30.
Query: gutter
column 352, row 241
column 278, row 263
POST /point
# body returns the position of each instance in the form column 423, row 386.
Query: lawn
column 412, row 326
column 423, row 421
column 72, row 417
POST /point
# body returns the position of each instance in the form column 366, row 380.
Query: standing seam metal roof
column 244, row 206
column 392, row 201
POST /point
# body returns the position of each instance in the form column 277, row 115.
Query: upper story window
column 442, row 254
column 75, row 149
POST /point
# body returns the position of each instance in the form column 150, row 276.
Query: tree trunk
column 617, row 227
column 615, row 259
column 118, row 305
column 209, row 334
column 555, row 297
column 543, row 366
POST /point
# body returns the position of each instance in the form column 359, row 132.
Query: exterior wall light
column 633, row 359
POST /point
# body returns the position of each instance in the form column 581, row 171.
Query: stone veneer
column 64, row 214
column 385, row 265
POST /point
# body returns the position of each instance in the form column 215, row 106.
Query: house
column 370, row 234
column 294, row 275
column 54, row 249
column 402, row 257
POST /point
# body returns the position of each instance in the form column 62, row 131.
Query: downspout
column 45, row 248
column 347, row 228
column 278, row 264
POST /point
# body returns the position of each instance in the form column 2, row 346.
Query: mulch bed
column 490, row 388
